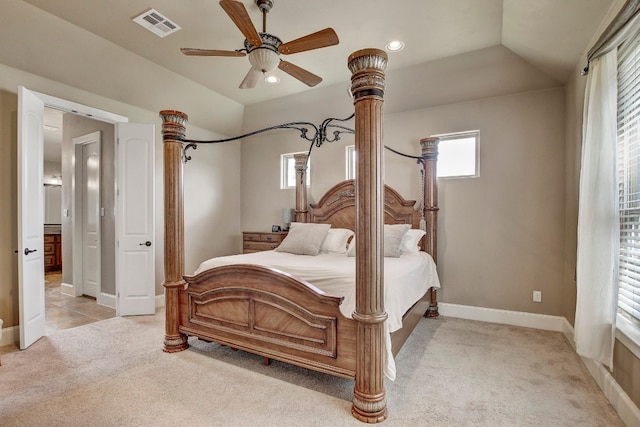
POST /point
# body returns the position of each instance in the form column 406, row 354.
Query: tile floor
column 64, row 311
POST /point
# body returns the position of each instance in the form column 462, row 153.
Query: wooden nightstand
column 256, row 241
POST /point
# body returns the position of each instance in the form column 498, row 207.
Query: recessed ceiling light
column 394, row 46
column 272, row 79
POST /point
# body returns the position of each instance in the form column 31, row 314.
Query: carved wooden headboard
column 338, row 207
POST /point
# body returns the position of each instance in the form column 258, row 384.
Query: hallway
column 64, row 311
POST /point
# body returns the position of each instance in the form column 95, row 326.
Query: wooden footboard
column 268, row 312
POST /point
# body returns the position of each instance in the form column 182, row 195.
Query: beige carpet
column 451, row 372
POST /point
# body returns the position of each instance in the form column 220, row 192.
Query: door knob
column 27, row 251
column 147, row 243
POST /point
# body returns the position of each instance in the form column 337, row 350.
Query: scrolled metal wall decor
column 327, row 131
column 319, row 137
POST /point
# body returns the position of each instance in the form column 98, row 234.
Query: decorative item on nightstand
column 287, row 218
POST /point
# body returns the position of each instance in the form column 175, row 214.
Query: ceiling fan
column 264, row 49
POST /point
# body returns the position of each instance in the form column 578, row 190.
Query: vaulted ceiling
column 551, row 35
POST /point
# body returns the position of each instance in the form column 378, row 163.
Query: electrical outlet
column 537, row 296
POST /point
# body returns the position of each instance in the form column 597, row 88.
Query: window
column 458, row 155
column 628, row 147
column 288, row 171
column 350, row 157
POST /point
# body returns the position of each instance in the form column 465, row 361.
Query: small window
column 350, row 164
column 288, row 171
column 458, row 155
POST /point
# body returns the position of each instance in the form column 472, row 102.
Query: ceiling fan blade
column 301, row 74
column 210, row 52
column 322, row 38
column 240, row 17
column 251, row 79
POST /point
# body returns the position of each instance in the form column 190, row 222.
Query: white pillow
column 304, row 238
column 393, row 234
column 352, row 247
column 336, row 241
column 409, row 243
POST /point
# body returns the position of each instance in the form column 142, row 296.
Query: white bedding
column 406, row 279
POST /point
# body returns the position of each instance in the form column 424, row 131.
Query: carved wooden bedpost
column 302, row 210
column 173, row 135
column 430, row 155
column 367, row 86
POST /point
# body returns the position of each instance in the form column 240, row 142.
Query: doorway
column 133, row 290
column 87, row 221
column 64, row 307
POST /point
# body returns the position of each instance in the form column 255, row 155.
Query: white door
column 91, row 219
column 30, row 218
column 135, row 228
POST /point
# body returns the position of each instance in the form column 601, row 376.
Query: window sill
column 293, row 188
column 628, row 334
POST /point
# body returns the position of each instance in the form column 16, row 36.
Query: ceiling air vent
column 155, row 22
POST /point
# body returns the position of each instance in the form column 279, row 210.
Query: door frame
column 76, row 204
column 121, row 123
column 95, row 114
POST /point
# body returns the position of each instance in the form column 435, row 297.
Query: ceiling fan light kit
column 264, row 49
column 266, row 57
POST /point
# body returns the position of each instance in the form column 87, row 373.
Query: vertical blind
column 628, row 142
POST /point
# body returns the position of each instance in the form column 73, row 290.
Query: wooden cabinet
column 52, row 252
column 256, row 241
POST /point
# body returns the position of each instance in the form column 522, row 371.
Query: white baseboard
column 567, row 330
column 108, row 300
column 10, row 335
column 67, row 289
column 160, row 301
column 507, row 317
column 621, row 402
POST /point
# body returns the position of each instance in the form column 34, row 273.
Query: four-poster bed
column 272, row 313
